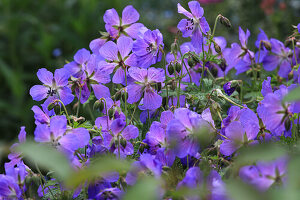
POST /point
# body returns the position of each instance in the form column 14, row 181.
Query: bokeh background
column 46, row 33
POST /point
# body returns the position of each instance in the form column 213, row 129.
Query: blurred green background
column 45, row 33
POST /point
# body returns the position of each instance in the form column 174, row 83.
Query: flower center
column 51, row 92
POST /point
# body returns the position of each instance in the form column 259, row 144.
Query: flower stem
column 65, row 109
column 125, row 101
column 165, row 67
column 80, row 90
column 203, row 63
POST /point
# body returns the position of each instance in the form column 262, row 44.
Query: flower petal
column 45, row 76
column 196, row 9
column 152, row 100
column 111, row 17
column 109, row 51
column 58, row 125
column 66, row 95
column 129, row 15
column 134, row 93
column 124, row 45
column 181, row 10
column 130, row 132
column 101, row 91
column 38, row 92
column 42, row 133
column 82, row 56
column 61, row 77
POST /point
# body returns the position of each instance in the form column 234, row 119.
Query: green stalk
column 165, row 67
column 203, row 63
column 65, row 109
column 77, row 113
column 125, row 101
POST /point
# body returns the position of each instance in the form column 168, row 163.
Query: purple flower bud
column 228, row 88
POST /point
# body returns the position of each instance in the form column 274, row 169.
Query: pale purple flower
column 53, row 87
column 196, row 26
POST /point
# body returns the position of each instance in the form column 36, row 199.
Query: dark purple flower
column 146, row 48
column 118, row 58
column 144, row 87
column 59, row 136
column 53, row 87
column 278, row 57
column 228, row 88
column 126, row 25
column 196, row 25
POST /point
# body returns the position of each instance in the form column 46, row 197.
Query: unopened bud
column 170, row 69
column 225, row 21
column 111, row 113
column 174, row 48
column 223, row 65
column 118, row 96
column 287, row 124
column 178, row 67
column 191, row 62
column 267, row 45
column 51, row 106
column 99, row 104
column 123, row 142
column 217, row 48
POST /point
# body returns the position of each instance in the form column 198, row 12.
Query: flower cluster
column 181, row 116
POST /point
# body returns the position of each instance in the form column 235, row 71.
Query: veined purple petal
column 58, row 125
column 271, row 62
column 117, row 125
column 66, row 95
column 147, row 60
column 38, row 92
column 204, row 25
column 106, row 67
column 40, row 116
column 166, row 117
column 183, row 115
column 285, row 68
column 134, row 93
column 152, row 100
column 235, row 131
column 45, row 76
column 82, row 136
column 131, row 60
column 22, row 135
column 85, row 93
column 266, row 87
column 61, row 77
column 243, row 37
column 101, row 91
column 119, row 76
column 134, row 30
column 138, row 74
column 82, row 56
column 101, row 76
column 129, row 15
column 42, row 133
column 181, row 10
column 228, row 147
column 140, row 47
column 186, row 30
column 69, row 142
column 96, row 44
column 124, row 45
column 197, row 38
column 156, row 75
column 130, row 132
column 109, row 51
column 196, row 9
column 111, row 17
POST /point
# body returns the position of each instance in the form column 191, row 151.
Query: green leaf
column 146, row 189
column 47, row 157
column 293, row 95
column 98, row 167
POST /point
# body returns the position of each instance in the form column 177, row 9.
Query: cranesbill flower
column 9, row 188
column 78, row 66
column 58, row 135
column 118, row 58
column 264, row 174
column 144, row 87
column 126, row 25
column 53, row 87
column 195, row 26
column 298, row 26
column 146, row 48
column 117, row 140
column 228, row 88
column 280, row 56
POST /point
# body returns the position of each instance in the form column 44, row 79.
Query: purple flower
column 181, row 130
column 118, row 58
column 273, row 112
column 53, row 87
column 9, row 188
column 228, row 88
column 239, row 56
column 126, row 25
column 146, row 48
column 278, row 57
column 264, row 174
column 144, row 87
column 196, row 25
column 117, row 139
column 240, row 132
column 59, row 136
column 298, row 26
column 78, row 66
